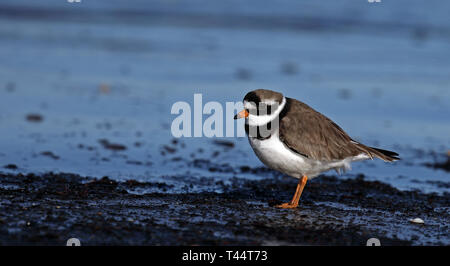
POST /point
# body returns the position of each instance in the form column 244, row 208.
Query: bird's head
column 261, row 106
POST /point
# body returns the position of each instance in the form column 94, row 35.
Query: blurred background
column 88, row 87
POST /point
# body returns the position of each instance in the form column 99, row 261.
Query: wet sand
column 49, row 209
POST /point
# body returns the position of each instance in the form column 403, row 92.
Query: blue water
column 112, row 70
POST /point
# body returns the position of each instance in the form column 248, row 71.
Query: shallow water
column 106, row 70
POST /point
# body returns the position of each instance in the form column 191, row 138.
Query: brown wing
column 312, row 134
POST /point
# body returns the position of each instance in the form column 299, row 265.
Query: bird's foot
column 288, row 205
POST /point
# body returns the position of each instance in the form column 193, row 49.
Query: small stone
column 417, row 221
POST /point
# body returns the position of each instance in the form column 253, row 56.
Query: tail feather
column 385, row 155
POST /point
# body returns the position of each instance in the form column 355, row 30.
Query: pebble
column 417, row 221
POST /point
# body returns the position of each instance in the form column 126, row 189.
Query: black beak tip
column 235, row 117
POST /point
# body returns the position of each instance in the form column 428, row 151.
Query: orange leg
column 298, row 193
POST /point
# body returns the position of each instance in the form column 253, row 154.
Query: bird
column 289, row 136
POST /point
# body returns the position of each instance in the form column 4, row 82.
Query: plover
column 291, row 137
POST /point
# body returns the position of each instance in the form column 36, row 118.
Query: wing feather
column 314, row 135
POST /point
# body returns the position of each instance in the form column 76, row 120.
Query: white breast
column 273, row 153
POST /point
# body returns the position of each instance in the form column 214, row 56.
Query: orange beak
column 241, row 114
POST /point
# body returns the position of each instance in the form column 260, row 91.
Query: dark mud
column 50, row 154
column 112, row 146
column 34, row 118
column 445, row 166
column 49, row 209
